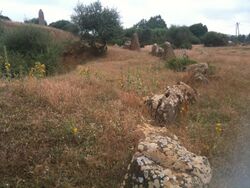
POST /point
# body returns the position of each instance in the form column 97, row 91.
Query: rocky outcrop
column 161, row 162
column 167, row 106
column 198, row 73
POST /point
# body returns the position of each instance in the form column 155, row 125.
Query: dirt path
column 235, row 173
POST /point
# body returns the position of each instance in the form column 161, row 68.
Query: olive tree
column 96, row 23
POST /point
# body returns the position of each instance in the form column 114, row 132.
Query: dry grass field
column 81, row 128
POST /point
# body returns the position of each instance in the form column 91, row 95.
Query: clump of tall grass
column 179, row 64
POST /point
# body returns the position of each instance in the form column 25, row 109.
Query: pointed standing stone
column 41, row 18
column 135, row 44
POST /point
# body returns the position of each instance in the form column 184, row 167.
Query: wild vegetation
column 63, row 130
column 23, row 46
column 179, row 64
column 66, row 26
column 80, row 129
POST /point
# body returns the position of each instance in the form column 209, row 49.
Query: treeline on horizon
column 154, row 30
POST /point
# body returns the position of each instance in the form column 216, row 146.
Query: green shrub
column 27, row 45
column 179, row 64
column 1, row 32
column 27, row 40
column 32, row 21
column 4, row 17
column 215, row 39
column 181, row 37
column 198, row 29
column 66, row 26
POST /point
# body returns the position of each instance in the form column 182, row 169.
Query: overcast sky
column 218, row 15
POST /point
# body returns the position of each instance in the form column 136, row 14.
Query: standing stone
column 135, row 44
column 41, row 19
column 168, row 51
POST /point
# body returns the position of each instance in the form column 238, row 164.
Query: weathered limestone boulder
column 135, row 44
column 167, row 106
column 41, row 19
column 161, row 162
column 168, row 51
column 198, row 72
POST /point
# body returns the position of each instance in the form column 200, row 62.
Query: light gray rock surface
column 161, row 162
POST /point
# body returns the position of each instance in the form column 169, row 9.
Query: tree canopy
column 198, row 29
column 2, row 17
column 215, row 39
column 96, row 22
column 65, row 25
column 32, row 21
column 154, row 22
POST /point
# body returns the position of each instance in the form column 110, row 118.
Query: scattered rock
column 198, row 73
column 135, row 44
column 157, row 51
column 99, row 48
column 162, row 162
column 154, row 49
column 41, row 19
column 127, row 44
column 167, row 106
column 160, row 52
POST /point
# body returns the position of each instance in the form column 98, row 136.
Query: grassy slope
column 80, row 129
column 57, row 34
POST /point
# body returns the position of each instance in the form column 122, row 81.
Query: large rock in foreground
column 166, row 107
column 161, row 162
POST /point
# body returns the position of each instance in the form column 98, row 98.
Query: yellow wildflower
column 74, row 130
column 218, row 128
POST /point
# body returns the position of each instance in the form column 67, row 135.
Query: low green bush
column 26, row 45
column 66, row 26
column 215, row 39
column 179, row 64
